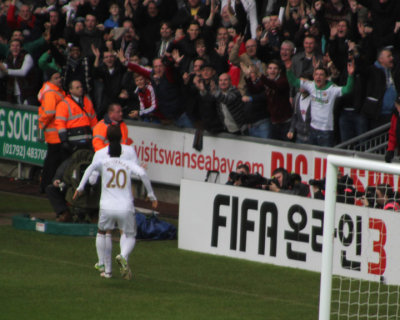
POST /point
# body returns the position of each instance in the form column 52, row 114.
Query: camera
column 368, row 194
column 272, row 181
column 248, row 180
column 61, row 185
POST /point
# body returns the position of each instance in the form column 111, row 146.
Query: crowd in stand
column 380, row 196
column 316, row 72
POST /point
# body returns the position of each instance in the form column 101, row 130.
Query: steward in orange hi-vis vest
column 75, row 119
column 49, row 96
column 113, row 116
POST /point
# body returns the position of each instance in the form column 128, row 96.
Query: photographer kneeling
column 242, row 177
column 284, row 182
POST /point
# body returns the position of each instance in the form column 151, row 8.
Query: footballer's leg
column 108, row 256
column 127, row 243
column 100, row 248
column 107, row 223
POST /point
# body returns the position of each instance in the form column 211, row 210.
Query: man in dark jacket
column 208, row 114
column 110, row 73
column 231, row 106
column 382, row 86
column 194, row 10
column 384, row 14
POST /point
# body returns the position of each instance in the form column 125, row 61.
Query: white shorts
column 125, row 220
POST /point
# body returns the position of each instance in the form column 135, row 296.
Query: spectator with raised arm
column 208, row 56
column 110, row 73
column 246, row 59
column 295, row 12
column 187, row 44
column 271, row 37
column 129, row 42
column 323, row 94
column 25, row 20
column 231, row 108
column 277, row 90
column 256, row 112
column 250, row 10
column 385, row 20
column 208, row 108
column 166, row 82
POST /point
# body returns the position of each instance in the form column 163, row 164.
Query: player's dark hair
column 114, row 137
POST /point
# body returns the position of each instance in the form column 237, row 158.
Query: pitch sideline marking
column 191, row 284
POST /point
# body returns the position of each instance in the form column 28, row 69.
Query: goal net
column 360, row 270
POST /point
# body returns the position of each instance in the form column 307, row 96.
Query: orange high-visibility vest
column 100, row 134
column 49, row 96
column 73, row 123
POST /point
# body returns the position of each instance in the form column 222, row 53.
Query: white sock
column 108, row 253
column 100, row 247
column 127, row 245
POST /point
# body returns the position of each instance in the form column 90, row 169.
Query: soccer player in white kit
column 116, row 202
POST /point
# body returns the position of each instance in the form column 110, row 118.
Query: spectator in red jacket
column 147, row 100
column 394, row 132
column 25, row 20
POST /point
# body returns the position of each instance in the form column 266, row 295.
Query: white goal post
column 333, row 163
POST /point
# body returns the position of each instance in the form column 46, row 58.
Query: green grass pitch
column 52, row 277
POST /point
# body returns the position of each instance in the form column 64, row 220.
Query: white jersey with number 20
column 116, row 173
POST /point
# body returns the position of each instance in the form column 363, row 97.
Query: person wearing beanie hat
column 49, row 96
column 50, row 72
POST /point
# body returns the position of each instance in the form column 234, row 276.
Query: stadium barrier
column 287, row 230
column 170, row 155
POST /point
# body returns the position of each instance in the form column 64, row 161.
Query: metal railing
column 373, row 141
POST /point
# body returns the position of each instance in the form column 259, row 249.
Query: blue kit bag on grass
column 150, row 227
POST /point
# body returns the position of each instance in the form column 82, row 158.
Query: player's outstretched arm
column 93, row 166
column 139, row 171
